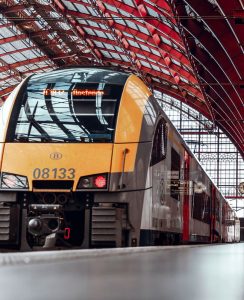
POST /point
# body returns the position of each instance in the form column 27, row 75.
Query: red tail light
column 98, row 181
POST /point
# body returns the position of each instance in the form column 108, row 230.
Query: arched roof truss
column 192, row 51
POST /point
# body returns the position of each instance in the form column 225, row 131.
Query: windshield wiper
column 89, row 138
column 22, row 137
column 42, row 138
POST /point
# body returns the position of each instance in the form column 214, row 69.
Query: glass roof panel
column 141, row 56
column 82, row 21
column 81, row 8
column 6, row 48
column 9, row 59
column 176, row 62
column 115, row 55
column 129, row 35
column 145, row 48
column 110, row 7
column 155, row 67
column 119, row 21
column 152, row 12
column 102, row 26
column 106, row 53
column 131, row 25
column 98, row 44
column 23, row 44
column 133, row 43
column 5, row 33
column 130, row 3
column 30, row 54
column 92, row 11
column 109, row 36
column 93, row 24
column 100, row 33
column 124, row 57
column 108, row 46
column 118, row 49
column 143, row 30
column 166, row 41
column 155, row 52
column 89, row 31
column 165, row 71
column 146, row 64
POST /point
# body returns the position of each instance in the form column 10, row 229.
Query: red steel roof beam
column 13, row 39
column 24, row 63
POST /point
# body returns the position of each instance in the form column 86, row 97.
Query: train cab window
column 175, row 174
column 69, row 105
column 159, row 149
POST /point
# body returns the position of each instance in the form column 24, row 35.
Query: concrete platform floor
column 166, row 273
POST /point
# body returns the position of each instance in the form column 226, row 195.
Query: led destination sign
column 87, row 92
column 75, row 92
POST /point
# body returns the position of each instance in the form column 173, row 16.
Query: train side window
column 198, row 206
column 201, row 207
column 159, row 149
column 175, row 174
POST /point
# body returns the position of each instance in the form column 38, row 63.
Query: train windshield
column 70, row 105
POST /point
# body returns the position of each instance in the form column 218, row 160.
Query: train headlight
column 94, row 182
column 13, row 181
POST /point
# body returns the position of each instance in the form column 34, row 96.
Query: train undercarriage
column 54, row 220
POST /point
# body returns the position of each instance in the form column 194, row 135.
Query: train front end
column 62, row 158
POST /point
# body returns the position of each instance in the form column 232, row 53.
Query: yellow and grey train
column 89, row 159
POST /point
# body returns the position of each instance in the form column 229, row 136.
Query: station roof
column 191, row 50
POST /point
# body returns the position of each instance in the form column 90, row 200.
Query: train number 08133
column 61, row 173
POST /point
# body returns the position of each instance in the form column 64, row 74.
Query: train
column 89, row 159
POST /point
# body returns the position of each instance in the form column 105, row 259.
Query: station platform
column 206, row 272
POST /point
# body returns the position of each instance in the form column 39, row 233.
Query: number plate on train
column 56, row 173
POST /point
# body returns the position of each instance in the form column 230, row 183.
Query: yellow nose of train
column 33, row 163
column 58, row 162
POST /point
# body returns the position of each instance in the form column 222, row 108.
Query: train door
column 186, row 199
